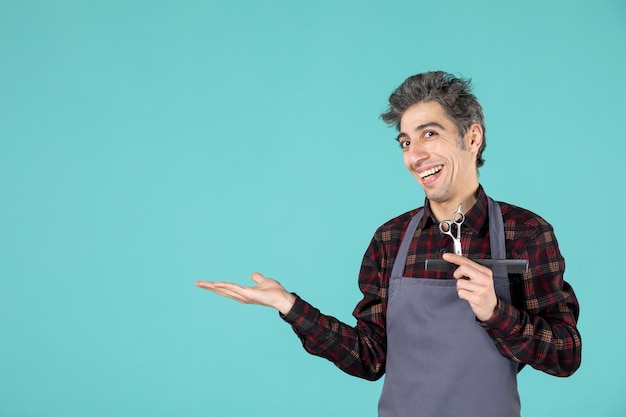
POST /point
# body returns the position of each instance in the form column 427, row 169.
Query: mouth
column 430, row 173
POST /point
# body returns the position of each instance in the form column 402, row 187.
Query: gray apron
column 440, row 362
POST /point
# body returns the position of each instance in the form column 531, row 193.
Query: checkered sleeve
column 539, row 329
column 357, row 350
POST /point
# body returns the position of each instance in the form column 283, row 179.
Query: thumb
column 257, row 277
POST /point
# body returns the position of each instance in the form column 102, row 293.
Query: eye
column 404, row 143
column 429, row 134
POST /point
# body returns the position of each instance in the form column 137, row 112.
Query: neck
column 443, row 210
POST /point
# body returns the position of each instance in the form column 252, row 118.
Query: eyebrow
column 418, row 128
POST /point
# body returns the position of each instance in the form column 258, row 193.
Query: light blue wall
column 148, row 144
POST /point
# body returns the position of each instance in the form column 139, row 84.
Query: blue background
column 145, row 145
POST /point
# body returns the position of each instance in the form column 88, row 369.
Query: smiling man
column 450, row 344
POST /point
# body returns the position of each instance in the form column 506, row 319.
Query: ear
column 474, row 137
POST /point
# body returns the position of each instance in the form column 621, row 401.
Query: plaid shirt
column 537, row 328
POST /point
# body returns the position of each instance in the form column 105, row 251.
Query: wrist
column 285, row 304
column 489, row 315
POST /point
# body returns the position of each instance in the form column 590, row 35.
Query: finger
column 473, row 272
column 257, row 277
column 463, row 261
column 232, row 294
column 466, row 268
column 465, row 272
column 473, row 291
column 210, row 285
column 468, row 294
column 232, row 291
column 454, row 258
column 461, row 273
column 463, row 294
column 469, row 285
column 204, row 284
column 221, row 288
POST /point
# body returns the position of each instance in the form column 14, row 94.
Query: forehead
column 422, row 114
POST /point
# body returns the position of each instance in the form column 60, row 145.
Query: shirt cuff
column 302, row 317
column 503, row 320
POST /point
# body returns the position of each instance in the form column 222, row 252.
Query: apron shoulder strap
column 400, row 262
column 496, row 231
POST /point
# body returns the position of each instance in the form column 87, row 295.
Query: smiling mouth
column 430, row 172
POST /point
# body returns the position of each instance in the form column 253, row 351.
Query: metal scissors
column 446, row 226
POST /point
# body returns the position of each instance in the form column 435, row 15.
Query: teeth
column 431, row 171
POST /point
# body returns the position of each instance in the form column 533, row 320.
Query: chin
column 438, row 196
column 433, row 195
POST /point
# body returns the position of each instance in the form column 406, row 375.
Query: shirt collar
column 475, row 219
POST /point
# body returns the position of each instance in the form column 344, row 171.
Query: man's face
column 431, row 151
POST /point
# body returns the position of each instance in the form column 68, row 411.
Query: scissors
column 445, row 227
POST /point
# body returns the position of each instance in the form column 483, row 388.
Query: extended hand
column 267, row 292
column 474, row 283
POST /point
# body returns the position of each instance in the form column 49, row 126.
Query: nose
column 416, row 152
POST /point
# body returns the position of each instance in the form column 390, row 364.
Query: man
column 450, row 344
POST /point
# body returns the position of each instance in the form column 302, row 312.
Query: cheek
column 406, row 159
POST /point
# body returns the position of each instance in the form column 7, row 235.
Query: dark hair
column 454, row 94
